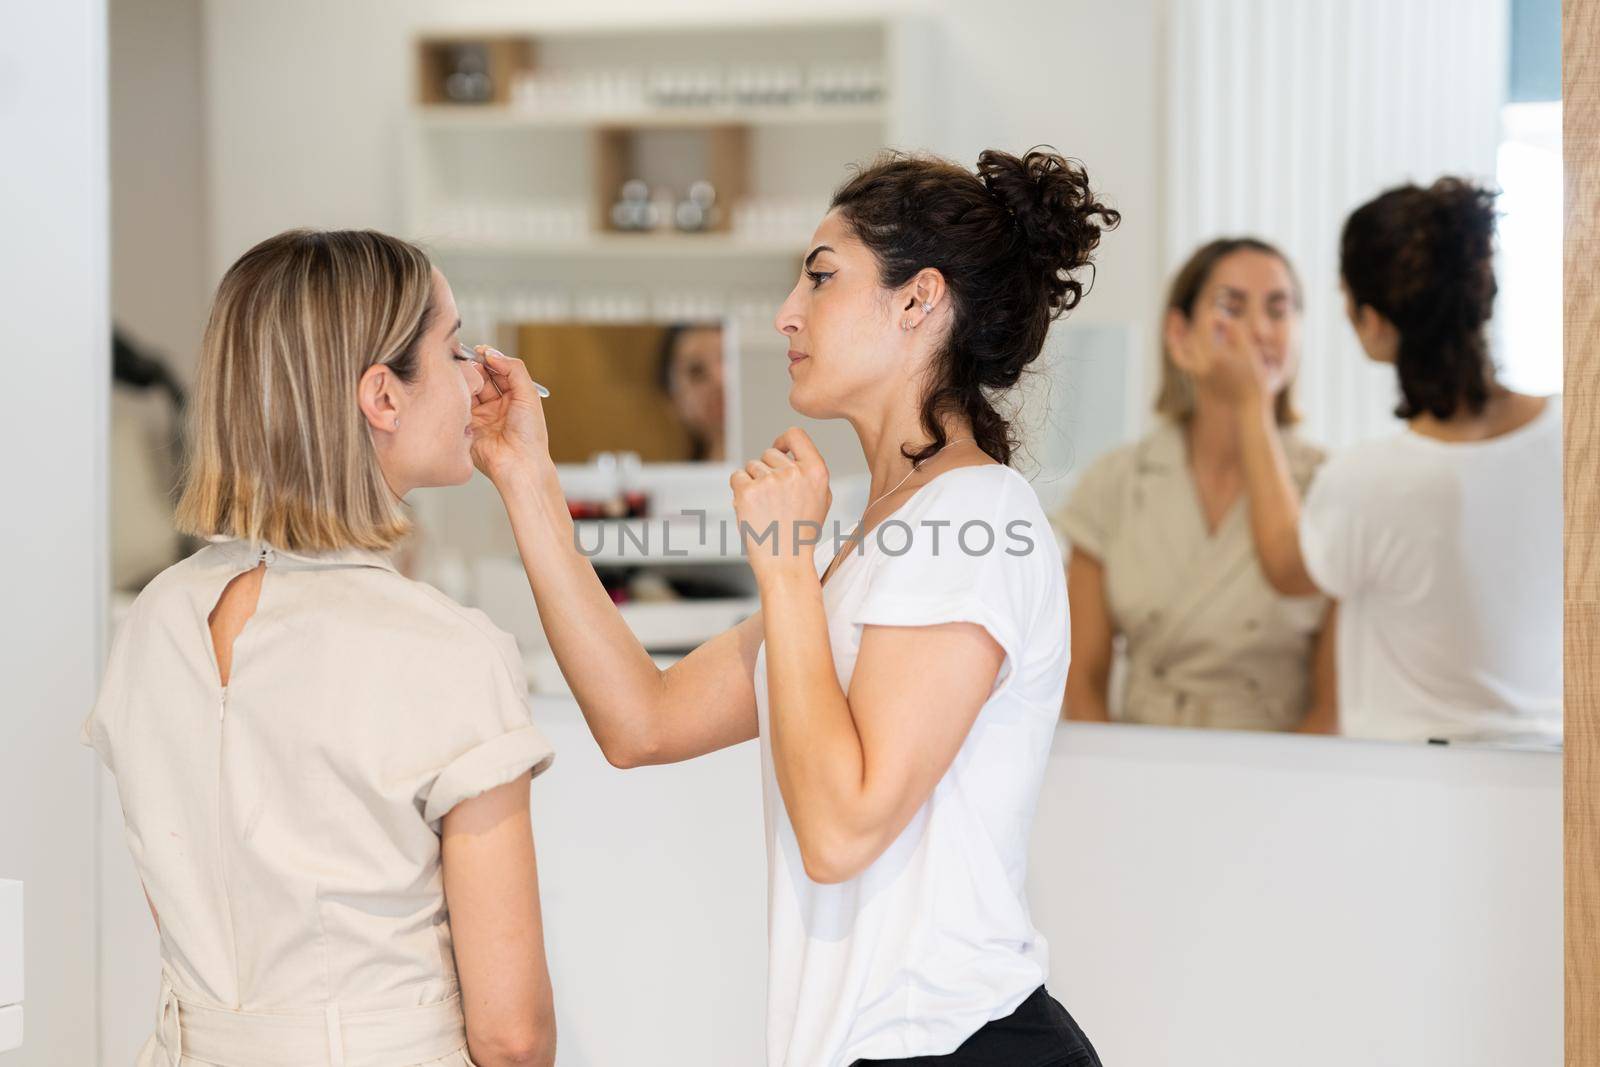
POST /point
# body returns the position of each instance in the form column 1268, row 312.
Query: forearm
column 1086, row 697
column 1322, row 718
column 817, row 751
column 1274, row 502
column 612, row 677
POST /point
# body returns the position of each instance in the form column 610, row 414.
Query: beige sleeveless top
column 1208, row 641
column 287, row 827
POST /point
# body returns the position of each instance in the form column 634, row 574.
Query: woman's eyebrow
column 815, row 252
column 456, row 328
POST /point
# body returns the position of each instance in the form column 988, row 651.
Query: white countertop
column 11, row 960
column 1209, row 898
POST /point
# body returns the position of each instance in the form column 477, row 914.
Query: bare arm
column 1229, row 361
column 1089, row 676
column 853, row 768
column 1274, row 502
column 491, row 886
column 638, row 713
column 1323, row 716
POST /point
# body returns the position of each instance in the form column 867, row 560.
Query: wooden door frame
column 1580, row 67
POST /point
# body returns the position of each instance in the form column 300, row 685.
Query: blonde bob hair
column 1176, row 399
column 279, row 451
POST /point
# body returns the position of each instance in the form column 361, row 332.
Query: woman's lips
column 796, row 357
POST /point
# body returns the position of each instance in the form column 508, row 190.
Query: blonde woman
column 1161, row 554
column 324, row 767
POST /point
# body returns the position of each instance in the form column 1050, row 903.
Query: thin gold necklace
column 914, row 468
column 833, row 564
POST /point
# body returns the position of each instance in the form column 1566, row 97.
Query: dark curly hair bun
column 1423, row 258
column 1011, row 242
column 1056, row 214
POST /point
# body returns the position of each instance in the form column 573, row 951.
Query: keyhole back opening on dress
column 233, row 609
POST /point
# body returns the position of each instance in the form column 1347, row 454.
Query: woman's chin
column 804, row 404
column 458, row 473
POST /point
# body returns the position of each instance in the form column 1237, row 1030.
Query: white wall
column 159, row 281
column 54, row 317
column 1285, row 115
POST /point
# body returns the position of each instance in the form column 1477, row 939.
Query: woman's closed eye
column 818, row 277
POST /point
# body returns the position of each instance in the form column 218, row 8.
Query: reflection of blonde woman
column 323, row 766
column 689, row 370
column 1161, row 550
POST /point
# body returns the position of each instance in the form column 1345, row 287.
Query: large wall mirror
column 624, row 206
column 1369, row 194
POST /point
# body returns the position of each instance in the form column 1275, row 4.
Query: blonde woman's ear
column 375, row 397
column 1175, row 333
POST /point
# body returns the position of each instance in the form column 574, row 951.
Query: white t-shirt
column 933, row 939
column 1446, row 561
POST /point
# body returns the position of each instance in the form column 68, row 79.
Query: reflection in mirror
column 657, row 391
column 1162, row 560
column 1344, row 512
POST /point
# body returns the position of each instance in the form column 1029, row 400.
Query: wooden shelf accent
column 726, row 164
column 506, row 56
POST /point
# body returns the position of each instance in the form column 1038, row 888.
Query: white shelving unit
column 512, row 194
column 618, row 247
column 512, row 197
column 515, row 117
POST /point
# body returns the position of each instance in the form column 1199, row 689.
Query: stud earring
column 927, row 307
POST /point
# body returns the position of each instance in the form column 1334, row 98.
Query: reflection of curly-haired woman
column 1443, row 542
column 689, row 371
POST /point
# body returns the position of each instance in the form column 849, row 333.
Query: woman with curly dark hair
column 905, row 686
column 1441, row 543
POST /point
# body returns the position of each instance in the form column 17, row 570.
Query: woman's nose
column 1262, row 326
column 788, row 319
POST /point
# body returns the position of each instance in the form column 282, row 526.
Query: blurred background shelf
column 628, row 245
column 519, row 118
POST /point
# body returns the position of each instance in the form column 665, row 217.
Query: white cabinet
column 10, row 964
